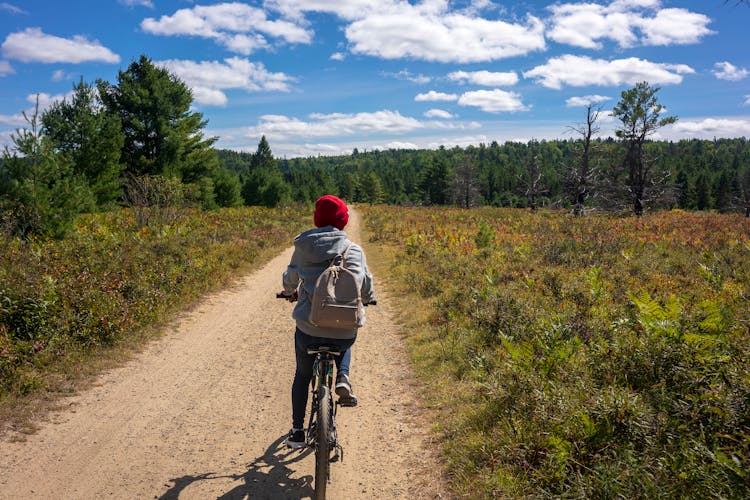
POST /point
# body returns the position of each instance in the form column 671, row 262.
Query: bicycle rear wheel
column 323, row 441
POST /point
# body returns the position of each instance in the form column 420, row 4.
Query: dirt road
column 203, row 411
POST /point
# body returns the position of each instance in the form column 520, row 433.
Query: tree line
column 688, row 174
column 137, row 143
column 630, row 171
column 703, row 175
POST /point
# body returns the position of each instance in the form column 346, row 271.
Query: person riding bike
column 313, row 251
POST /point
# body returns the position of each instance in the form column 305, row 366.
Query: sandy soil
column 203, row 411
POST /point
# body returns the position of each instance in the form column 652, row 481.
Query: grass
column 601, row 357
column 70, row 308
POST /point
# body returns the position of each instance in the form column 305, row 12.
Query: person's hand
column 291, row 297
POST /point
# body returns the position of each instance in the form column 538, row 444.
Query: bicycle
column 321, row 429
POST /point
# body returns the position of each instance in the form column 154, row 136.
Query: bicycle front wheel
column 323, row 441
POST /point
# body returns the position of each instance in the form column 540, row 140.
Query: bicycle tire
column 323, row 442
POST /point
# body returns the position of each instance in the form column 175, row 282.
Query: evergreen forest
column 701, row 174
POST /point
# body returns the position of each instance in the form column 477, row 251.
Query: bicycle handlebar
column 280, row 295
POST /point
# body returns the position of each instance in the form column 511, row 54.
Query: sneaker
column 344, row 390
column 295, row 440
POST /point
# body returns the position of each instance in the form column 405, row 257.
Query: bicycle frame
column 323, row 376
column 321, row 430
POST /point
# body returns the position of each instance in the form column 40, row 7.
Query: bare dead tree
column 532, row 182
column 581, row 176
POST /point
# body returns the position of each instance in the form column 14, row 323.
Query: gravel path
column 203, row 411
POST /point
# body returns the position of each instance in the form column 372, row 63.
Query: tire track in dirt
column 203, row 411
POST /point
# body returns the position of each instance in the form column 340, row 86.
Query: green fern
column 657, row 318
column 714, row 321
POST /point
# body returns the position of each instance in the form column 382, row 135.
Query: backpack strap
column 340, row 259
column 343, row 255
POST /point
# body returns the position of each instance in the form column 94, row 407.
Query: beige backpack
column 336, row 301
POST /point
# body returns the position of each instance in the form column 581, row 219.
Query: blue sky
column 326, row 76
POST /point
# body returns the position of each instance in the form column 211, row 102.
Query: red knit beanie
column 330, row 211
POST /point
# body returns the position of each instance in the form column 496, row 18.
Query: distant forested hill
column 700, row 174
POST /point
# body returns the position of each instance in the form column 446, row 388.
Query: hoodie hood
column 321, row 244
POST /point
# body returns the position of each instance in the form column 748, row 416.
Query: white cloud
column 137, row 3
column 579, row 71
column 324, row 149
column 493, row 101
column 348, row 10
column 6, row 69
column 747, row 100
column 674, row 27
column 401, row 145
column 12, row 8
column 582, row 25
column 32, row 45
column 338, row 56
column 438, row 113
column 360, row 128
column 60, row 75
column 477, row 6
column 208, row 79
column 209, row 97
column 728, row 71
column 586, row 100
column 485, row 78
column 708, row 128
column 435, row 96
column 428, row 30
column 244, row 44
column 5, row 138
column 410, row 77
column 16, row 120
column 627, row 5
column 415, row 31
column 460, row 141
column 237, row 26
column 46, row 100
column 626, row 22
column 282, row 127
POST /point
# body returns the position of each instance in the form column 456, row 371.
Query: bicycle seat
column 324, row 348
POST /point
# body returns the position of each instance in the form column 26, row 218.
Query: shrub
column 593, row 357
column 112, row 276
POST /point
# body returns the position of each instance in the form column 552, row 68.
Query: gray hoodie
column 313, row 250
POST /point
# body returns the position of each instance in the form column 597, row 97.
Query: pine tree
column 162, row 135
column 264, row 184
column 91, row 137
column 640, row 115
column 372, row 188
column 702, row 192
column 722, row 192
column 40, row 190
column 684, row 199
